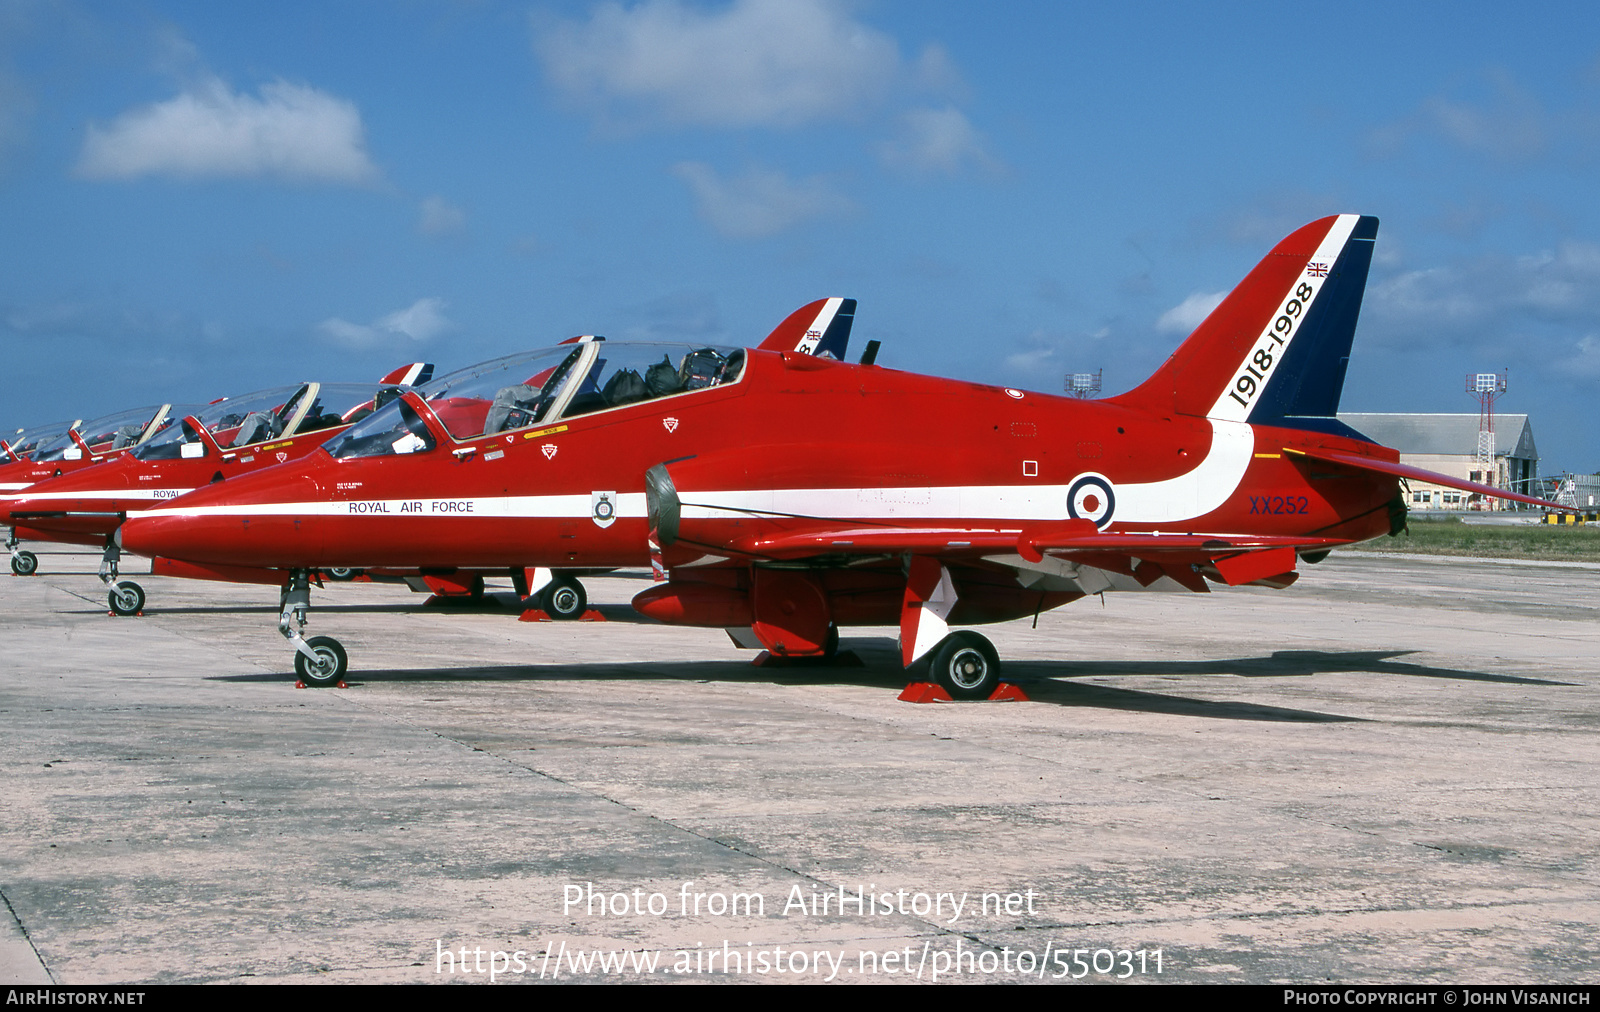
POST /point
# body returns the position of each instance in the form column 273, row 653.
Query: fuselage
column 792, row 440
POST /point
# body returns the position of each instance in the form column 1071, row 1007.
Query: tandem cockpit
column 106, row 435
column 237, row 424
column 582, row 377
column 24, row 443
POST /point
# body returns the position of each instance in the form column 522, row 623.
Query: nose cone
column 263, row 519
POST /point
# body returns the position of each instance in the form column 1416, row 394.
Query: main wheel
column 966, row 665
column 329, row 667
column 342, row 574
column 126, row 598
column 24, row 563
column 565, row 600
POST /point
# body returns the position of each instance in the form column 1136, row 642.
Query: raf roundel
column 603, row 508
column 1091, row 497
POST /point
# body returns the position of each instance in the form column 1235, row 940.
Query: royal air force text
column 434, row 507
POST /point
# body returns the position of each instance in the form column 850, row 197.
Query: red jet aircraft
column 228, row 438
column 238, row 435
column 950, row 503
column 49, row 451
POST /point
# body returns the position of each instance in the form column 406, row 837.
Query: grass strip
column 1449, row 536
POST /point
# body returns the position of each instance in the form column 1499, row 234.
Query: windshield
column 111, row 433
column 238, row 422
column 541, row 387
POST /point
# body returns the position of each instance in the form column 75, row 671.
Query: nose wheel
column 319, row 661
column 24, row 563
column 326, row 664
column 126, row 598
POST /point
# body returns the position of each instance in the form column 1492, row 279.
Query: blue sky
column 199, row 199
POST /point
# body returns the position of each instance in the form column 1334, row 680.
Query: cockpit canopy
column 540, row 388
column 24, row 443
column 120, row 431
column 279, row 413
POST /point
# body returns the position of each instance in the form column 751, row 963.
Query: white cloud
column 421, row 321
column 680, row 316
column 759, row 203
column 752, row 63
column 937, row 140
column 1586, row 361
column 1188, row 314
column 1030, row 362
column 1559, row 284
column 290, row 131
column 440, row 217
column 1498, row 118
column 1044, row 355
column 345, row 332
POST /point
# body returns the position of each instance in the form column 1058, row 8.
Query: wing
column 1186, row 558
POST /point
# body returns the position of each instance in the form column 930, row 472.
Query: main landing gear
column 125, row 597
column 961, row 662
column 559, row 596
column 319, row 661
column 564, row 600
column 966, row 665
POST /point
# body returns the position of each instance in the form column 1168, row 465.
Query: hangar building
column 1449, row 444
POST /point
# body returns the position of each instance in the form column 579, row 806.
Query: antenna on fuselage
column 870, row 356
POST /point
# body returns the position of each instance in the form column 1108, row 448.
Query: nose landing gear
column 319, row 661
column 23, row 563
column 125, row 596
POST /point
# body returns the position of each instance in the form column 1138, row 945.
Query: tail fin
column 410, row 375
column 1275, row 351
column 820, row 328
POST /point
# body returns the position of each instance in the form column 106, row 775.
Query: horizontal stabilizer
column 1399, row 470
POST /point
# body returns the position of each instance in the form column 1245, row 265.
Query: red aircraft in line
column 949, row 503
column 175, row 452
column 238, row 435
column 50, row 451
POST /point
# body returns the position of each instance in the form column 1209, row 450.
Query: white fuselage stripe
column 107, row 493
column 1185, row 497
